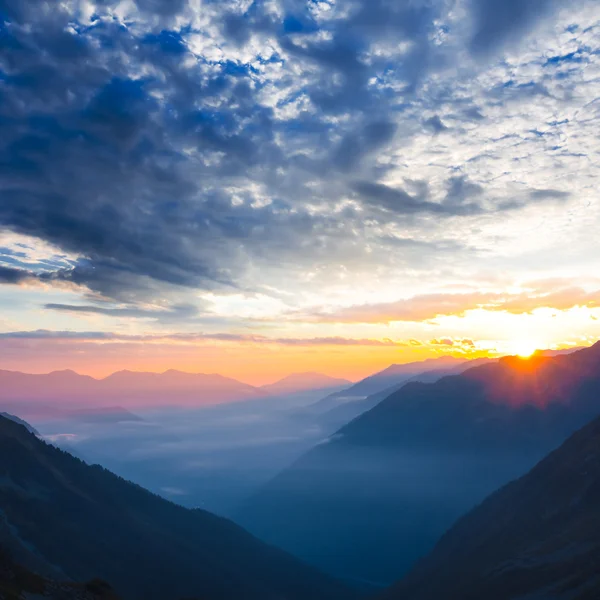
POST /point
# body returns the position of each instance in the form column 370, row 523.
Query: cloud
column 166, row 149
column 549, row 194
column 399, row 201
column 496, row 23
column 430, row 306
column 173, row 313
column 435, row 124
column 195, row 338
column 173, row 491
column 14, row 276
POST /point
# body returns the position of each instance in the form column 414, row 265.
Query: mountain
column 19, row 387
column 67, row 520
column 67, row 389
column 175, row 387
column 25, row 424
column 300, row 382
column 345, row 412
column 537, row 537
column 394, row 375
column 377, row 495
column 17, row 583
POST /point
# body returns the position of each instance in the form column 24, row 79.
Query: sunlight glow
column 524, row 348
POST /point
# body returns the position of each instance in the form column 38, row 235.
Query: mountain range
column 383, row 380
column 67, row 389
column 130, row 389
column 537, row 537
column 388, row 484
column 65, row 520
column 376, row 496
column 301, row 382
column 340, row 408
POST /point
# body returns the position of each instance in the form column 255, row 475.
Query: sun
column 524, row 348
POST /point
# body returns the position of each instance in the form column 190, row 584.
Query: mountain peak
column 310, row 380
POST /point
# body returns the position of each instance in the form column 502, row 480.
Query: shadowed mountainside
column 393, row 375
column 347, row 408
column 20, row 421
column 377, row 496
column 67, row 520
column 18, row 583
column 537, row 537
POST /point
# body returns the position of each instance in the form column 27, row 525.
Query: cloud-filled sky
column 258, row 187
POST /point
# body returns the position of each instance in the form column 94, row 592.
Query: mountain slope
column 394, row 375
column 366, row 504
column 17, row 583
column 63, row 517
column 537, row 537
column 347, row 411
column 20, row 421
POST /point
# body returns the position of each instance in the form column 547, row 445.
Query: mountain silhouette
column 537, row 537
column 67, row 520
column 300, row 382
column 378, row 494
column 19, row 583
column 346, row 409
column 383, row 380
column 126, row 388
column 20, row 421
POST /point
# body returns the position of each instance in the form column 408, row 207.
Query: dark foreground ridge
column 537, row 537
column 17, row 583
column 66, row 520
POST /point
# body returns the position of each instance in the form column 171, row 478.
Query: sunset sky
column 263, row 187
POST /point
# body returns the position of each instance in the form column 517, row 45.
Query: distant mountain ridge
column 376, row 483
column 341, row 408
column 392, row 375
column 127, row 388
column 300, row 382
column 537, row 537
column 67, row 520
column 131, row 389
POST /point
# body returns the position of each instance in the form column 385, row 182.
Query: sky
column 261, row 187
